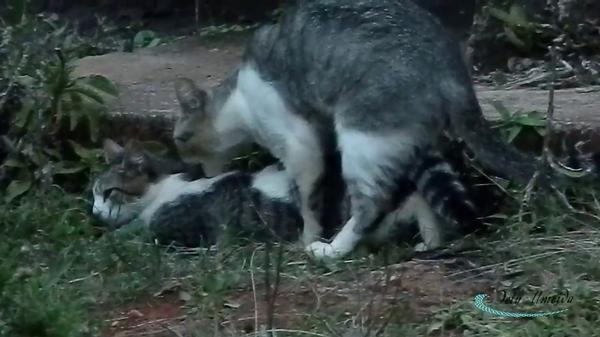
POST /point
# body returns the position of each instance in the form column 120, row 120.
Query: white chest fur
column 266, row 117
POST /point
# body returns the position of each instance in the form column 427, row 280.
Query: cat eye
column 107, row 193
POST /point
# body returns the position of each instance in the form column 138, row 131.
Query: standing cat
column 255, row 206
column 383, row 76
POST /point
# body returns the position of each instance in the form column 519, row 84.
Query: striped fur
column 441, row 187
column 446, row 207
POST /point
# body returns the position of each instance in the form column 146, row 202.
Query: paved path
column 145, row 79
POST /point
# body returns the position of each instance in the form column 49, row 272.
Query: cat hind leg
column 371, row 164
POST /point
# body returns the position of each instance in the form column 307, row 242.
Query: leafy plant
column 145, row 39
column 53, row 114
column 516, row 123
column 225, row 29
column 518, row 29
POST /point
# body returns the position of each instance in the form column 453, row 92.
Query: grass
column 60, row 277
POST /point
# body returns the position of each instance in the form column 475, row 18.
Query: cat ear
column 135, row 151
column 111, row 150
column 191, row 98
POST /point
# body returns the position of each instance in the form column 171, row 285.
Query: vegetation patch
column 61, row 275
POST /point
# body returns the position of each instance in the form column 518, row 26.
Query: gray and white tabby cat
column 384, row 76
column 252, row 206
column 138, row 185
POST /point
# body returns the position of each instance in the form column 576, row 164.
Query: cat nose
column 183, row 137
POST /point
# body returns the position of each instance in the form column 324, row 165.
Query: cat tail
column 442, row 189
column 468, row 123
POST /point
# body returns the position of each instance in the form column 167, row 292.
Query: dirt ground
column 411, row 289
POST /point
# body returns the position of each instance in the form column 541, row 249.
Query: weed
column 145, row 39
column 518, row 123
column 518, row 28
column 46, row 105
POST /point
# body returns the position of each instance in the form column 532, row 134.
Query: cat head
column 205, row 133
column 119, row 191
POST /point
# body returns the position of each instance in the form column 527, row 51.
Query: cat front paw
column 309, row 237
column 421, row 247
column 323, row 250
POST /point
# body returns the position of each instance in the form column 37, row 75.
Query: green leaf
column 34, row 154
column 498, row 216
column 518, row 16
column 499, row 14
column 22, row 116
column 84, row 153
column 514, row 39
column 66, row 168
column 143, row 38
column 17, row 188
column 101, row 84
column 153, row 43
column 535, row 120
column 26, row 81
column 54, row 153
column 74, row 112
column 60, row 30
column 435, row 327
column 514, row 18
column 14, row 163
column 68, row 42
column 84, row 92
column 513, row 132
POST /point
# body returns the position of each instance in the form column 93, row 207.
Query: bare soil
column 154, row 316
column 411, row 290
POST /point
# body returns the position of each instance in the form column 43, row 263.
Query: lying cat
column 138, row 185
column 252, row 206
